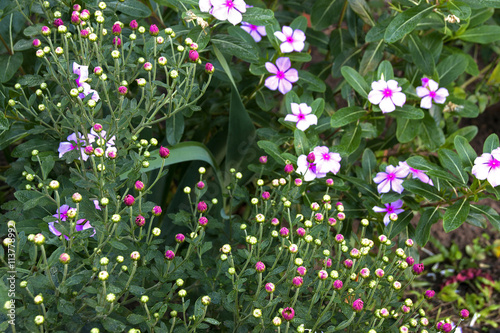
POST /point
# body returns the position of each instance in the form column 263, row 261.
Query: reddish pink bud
column 84, row 33
column 288, row 314
column 327, row 262
column 200, row 185
column 36, row 42
column 329, row 182
column 133, row 25
column 58, row 22
column 139, row 186
column 263, row 159
column 116, row 29
column 140, row 221
column 418, row 269
column 89, row 150
column 429, row 294
column 202, row 221
column 337, row 284
column 288, row 168
column 169, row 255
column 75, row 18
column 179, row 238
column 97, row 127
column 122, row 90
column 164, row 152
column 301, row 270
column 156, row 211
column 202, row 207
column 193, row 56
column 464, row 313
column 301, row 232
column 77, row 7
column 260, row 267
column 357, row 305
column 311, row 157
column 284, row 232
column 117, row 42
column 332, row 222
column 153, row 30
column 209, row 68
column 266, row 195
column 410, row 261
column 129, row 200
column 275, row 221
column 348, row 263
column 447, row 328
column 297, row 281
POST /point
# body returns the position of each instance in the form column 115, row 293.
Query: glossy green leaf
column 429, row 217
column 350, row 140
column 459, row 9
column 372, row 56
column 346, row 116
column 463, row 108
column 465, row 151
column 311, row 82
column 489, row 213
column 4, row 122
column 456, row 215
column 132, row 8
column 451, row 162
column 300, row 142
column 23, row 45
column 224, row 64
column 113, row 325
column 29, row 80
column 385, row 68
column 422, row 189
column 451, row 68
column 356, row 81
column 377, row 32
column 9, row 66
column 420, row 163
column 407, row 129
column 490, row 143
column 468, row 132
column 479, row 16
column 483, row 3
column 407, row 112
column 421, row 56
column 404, row 23
column 300, row 22
column 325, row 13
column 258, row 16
column 361, row 8
column 484, row 34
column 272, row 149
column 318, row 106
column 236, row 47
column 175, row 128
column 432, row 136
column 403, row 220
column 369, row 163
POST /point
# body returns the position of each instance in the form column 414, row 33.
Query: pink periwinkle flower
column 301, row 232
column 58, row 22
column 487, row 166
column 193, row 56
column 357, row 305
column 209, row 68
column 116, row 29
column 430, row 91
column 270, row 287
column 263, row 159
column 169, row 255
column 82, row 72
column 418, row 269
column 301, row 115
column 133, row 24
column 387, row 95
column 287, row 313
column 415, row 173
column 156, row 211
column 202, row 221
column 129, row 200
column 283, row 76
column 257, row 32
column 179, row 238
column 229, row 10
column 153, row 30
column 308, row 169
column 292, row 40
column 392, row 178
column 337, row 284
column 74, row 140
column 284, row 232
column 464, row 313
column 205, row 5
column 164, row 152
column 62, row 216
column 326, row 161
column 140, row 221
column 260, row 266
column 301, row 270
column 390, row 208
column 202, row 207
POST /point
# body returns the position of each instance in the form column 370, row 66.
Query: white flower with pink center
column 293, row 40
column 390, row 208
column 302, row 116
column 255, row 31
column 229, row 10
column 326, row 161
column 415, row 173
column 487, row 166
column 391, row 179
column 430, row 91
column 387, row 95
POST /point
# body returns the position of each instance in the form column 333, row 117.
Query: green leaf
column 429, row 217
column 407, row 129
column 356, row 81
column 29, row 80
column 456, row 215
column 484, row 34
column 369, row 163
column 132, row 8
column 33, row 30
column 224, row 64
column 421, row 56
column 212, row 321
column 431, row 135
column 459, row 9
column 111, row 324
column 405, row 22
column 235, row 47
column 490, row 143
column 300, row 22
column 424, row 190
column 489, row 213
column 9, row 65
column 243, row 36
column 258, row 16
column 483, row 3
column 372, row 56
column 346, row 116
column 135, row 319
column 463, row 108
column 468, row 132
column 4, row 122
column 376, row 33
column 265, row 100
column 403, row 220
column 311, row 82
column 325, row 12
column 386, row 69
column 451, row 68
column 465, row 151
column 451, row 162
column 23, row 45
column 361, row 8
column 300, row 142
column 480, row 16
column 272, row 149
column 420, row 163
column 350, row 140
column 175, row 128
column 407, row 112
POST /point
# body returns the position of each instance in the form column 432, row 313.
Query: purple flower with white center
column 391, row 179
column 62, row 215
column 415, row 173
column 230, row 10
column 386, row 95
column 326, row 161
column 430, row 91
column 82, row 72
column 293, row 40
column 73, row 141
column 284, row 75
column 487, row 166
column 257, row 32
column 390, row 208
column 301, row 115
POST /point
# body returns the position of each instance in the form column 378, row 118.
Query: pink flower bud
column 179, row 238
column 133, row 25
column 58, row 22
column 311, row 157
column 193, row 56
column 329, row 182
column 84, row 33
column 284, row 232
column 153, row 30
column 298, row 182
column 117, row 42
column 122, row 90
column 429, row 294
column 200, row 185
column 116, row 29
column 263, row 159
column 288, row 168
column 332, row 222
column 202, row 207
column 339, row 238
column 139, row 186
column 275, row 221
column 202, row 221
column 301, row 232
column 75, row 18
column 164, row 152
column 322, row 275
column 405, row 309
column 97, row 127
column 348, row 263
column 379, row 272
column 297, row 281
column 341, row 216
column 64, row 258
column 36, row 42
column 45, row 30
column 89, row 150
column 77, row 7
column 156, row 211
column 418, row 269
column 301, row 270
column 209, row 68
column 357, row 305
column 270, row 287
column 288, row 314
column 327, row 262
column 464, row 313
column 140, row 221
column 266, row 195
column 260, row 266
column 410, row 261
column 447, row 328
column 337, row 284
column 169, row 255
column 129, row 200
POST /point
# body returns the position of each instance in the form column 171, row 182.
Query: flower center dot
column 326, row 156
column 494, row 163
column 391, row 176
column 301, row 116
column 387, row 92
column 280, row 75
column 229, row 4
column 289, row 39
column 432, row 94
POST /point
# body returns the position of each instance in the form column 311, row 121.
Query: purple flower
column 326, row 161
column 254, row 30
column 228, row 10
column 415, row 173
column 202, row 207
column 87, row 90
column 430, row 91
column 386, row 95
column 293, row 40
column 284, row 75
column 164, row 152
column 62, row 215
column 391, row 179
column 390, row 208
column 82, row 72
column 464, row 313
column 73, row 141
column 302, row 116
column 487, row 166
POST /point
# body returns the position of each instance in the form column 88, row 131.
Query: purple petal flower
column 390, row 208
column 62, row 215
column 415, row 173
column 391, row 179
column 386, row 95
column 487, row 166
column 284, row 75
column 254, row 30
column 430, row 91
column 293, row 40
column 73, row 143
column 302, row 116
column 306, row 169
column 228, row 10
column 326, row 161
column 84, row 225
column 82, row 72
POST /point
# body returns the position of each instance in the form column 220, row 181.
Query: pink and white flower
column 430, row 91
column 284, row 75
column 392, row 178
column 257, row 32
column 293, row 40
column 62, row 215
column 75, row 140
column 205, row 5
column 326, row 161
column 387, row 95
column 390, row 208
column 415, row 173
column 487, row 166
column 307, row 167
column 229, row 10
column 301, row 115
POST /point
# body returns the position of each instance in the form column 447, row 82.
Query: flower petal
column 291, row 117
column 298, row 35
column 287, row 31
column 380, row 177
column 377, row 209
column 426, row 102
column 433, row 85
column 422, row 92
column 220, row 12
column 398, row 98
column 393, row 85
column 494, row 176
column 262, row 30
column 379, row 85
column 272, row 82
column 256, row 36
column 286, row 47
column 386, row 105
column 441, row 95
column 234, row 16
column 384, row 186
column 292, row 75
column 284, row 86
column 302, row 125
column 396, row 185
column 375, row 97
column 280, row 36
column 298, row 46
column 283, row 63
column 271, row 68
column 306, row 109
